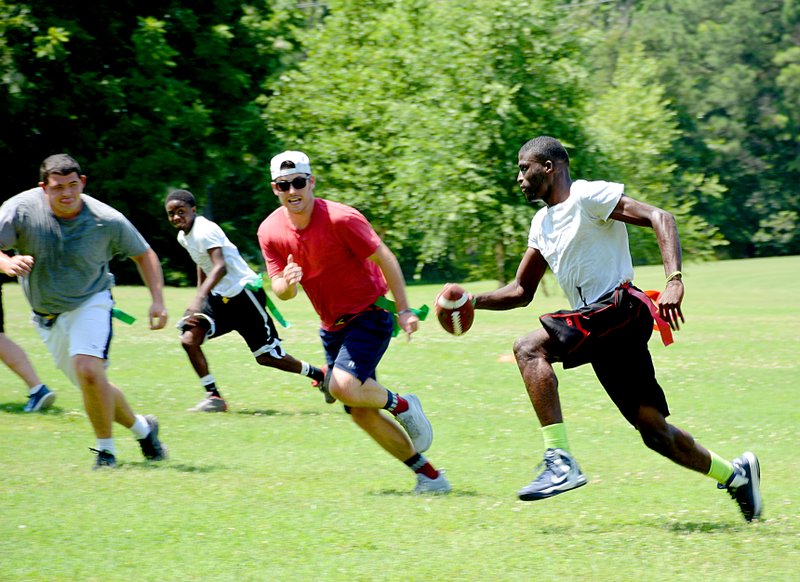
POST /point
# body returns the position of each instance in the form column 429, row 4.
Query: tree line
column 413, row 111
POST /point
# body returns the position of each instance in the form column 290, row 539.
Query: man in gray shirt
column 64, row 241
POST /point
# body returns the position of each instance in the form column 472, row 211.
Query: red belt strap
column 663, row 327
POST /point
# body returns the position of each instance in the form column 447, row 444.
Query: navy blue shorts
column 359, row 346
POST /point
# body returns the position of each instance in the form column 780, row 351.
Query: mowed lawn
column 285, row 487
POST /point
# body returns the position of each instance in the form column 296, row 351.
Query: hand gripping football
column 454, row 309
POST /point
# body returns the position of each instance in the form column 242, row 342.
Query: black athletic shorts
column 622, row 362
column 245, row 314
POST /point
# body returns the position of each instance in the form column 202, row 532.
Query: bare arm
column 663, row 224
column 150, row 271
column 284, row 285
column 521, row 290
column 390, row 268
column 205, row 283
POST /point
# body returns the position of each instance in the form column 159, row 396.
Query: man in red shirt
column 345, row 268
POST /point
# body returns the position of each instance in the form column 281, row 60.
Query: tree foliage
column 413, row 111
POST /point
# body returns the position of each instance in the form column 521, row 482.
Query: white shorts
column 86, row 330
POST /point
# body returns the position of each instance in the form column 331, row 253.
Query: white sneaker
column 210, row 404
column 438, row 486
column 417, row 425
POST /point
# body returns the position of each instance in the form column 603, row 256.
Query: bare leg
column 287, row 363
column 17, row 360
column 670, row 441
column 540, row 380
column 366, row 401
column 98, row 395
column 191, row 340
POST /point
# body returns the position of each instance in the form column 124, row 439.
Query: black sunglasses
column 297, row 183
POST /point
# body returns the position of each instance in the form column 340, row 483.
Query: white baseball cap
column 301, row 164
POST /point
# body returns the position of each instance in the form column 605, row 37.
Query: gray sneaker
column 560, row 473
column 323, row 386
column 210, row 404
column 417, row 425
column 438, row 486
column 105, row 460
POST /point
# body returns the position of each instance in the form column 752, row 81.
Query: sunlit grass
column 284, row 487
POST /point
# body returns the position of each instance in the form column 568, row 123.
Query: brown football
column 454, row 309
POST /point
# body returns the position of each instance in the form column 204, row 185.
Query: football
column 454, row 309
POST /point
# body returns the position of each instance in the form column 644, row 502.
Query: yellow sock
column 555, row 437
column 720, row 469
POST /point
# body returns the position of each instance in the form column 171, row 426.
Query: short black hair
column 61, row 164
column 183, row 195
column 546, row 148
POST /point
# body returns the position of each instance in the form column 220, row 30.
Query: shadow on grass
column 410, row 493
column 178, row 467
column 19, row 408
column 701, row 527
column 271, row 412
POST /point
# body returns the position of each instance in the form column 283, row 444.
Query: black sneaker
column 152, row 449
column 744, row 486
column 105, row 460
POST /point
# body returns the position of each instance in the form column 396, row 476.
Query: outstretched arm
column 663, row 223
column 521, row 290
column 150, row 271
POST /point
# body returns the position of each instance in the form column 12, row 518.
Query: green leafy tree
column 148, row 96
column 414, row 112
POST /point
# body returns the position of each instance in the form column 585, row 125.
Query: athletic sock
column 140, row 428
column 555, row 436
column 420, row 464
column 312, row 372
column 395, row 403
column 720, row 469
column 106, row 445
column 210, row 386
column 35, row 389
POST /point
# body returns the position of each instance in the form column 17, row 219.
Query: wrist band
column 674, row 275
column 405, row 311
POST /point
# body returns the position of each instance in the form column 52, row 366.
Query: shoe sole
column 426, row 442
column 45, row 402
column 552, row 492
column 755, row 483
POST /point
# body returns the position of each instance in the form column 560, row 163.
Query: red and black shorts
column 622, row 362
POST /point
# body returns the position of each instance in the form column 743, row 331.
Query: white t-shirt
column 206, row 235
column 587, row 252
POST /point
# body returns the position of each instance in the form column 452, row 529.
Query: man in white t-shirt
column 580, row 234
column 228, row 299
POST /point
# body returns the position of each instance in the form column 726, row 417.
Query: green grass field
column 285, row 487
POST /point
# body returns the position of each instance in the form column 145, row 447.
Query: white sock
column 305, row 368
column 207, row 380
column 106, row 445
column 140, row 428
column 35, row 389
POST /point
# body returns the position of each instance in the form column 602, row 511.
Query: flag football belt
column 46, row 320
column 259, row 284
column 573, row 328
column 383, row 303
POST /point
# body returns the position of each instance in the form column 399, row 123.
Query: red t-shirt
column 332, row 251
